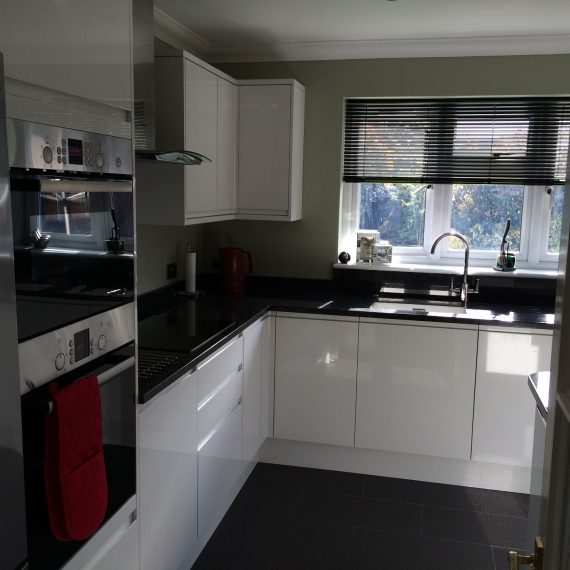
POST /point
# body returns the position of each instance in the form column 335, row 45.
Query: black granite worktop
column 190, row 330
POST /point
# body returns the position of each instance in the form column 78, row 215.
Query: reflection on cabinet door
column 226, row 200
column 503, row 425
column 415, row 389
column 315, row 380
column 219, row 470
column 168, row 477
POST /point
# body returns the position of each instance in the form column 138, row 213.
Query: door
column 554, row 524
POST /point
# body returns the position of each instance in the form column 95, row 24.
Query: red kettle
column 233, row 274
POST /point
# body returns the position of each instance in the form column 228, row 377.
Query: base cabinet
column 168, row 477
column 503, row 424
column 415, row 389
column 255, row 388
column 315, row 379
column 220, row 429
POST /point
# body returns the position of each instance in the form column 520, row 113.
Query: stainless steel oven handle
column 82, row 185
column 107, row 375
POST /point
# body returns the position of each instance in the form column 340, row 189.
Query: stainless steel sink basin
column 419, row 308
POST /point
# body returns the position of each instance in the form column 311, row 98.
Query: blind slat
column 515, row 141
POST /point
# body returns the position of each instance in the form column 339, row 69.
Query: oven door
column 71, row 260
column 116, row 373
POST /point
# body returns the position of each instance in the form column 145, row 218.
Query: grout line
column 493, row 557
column 347, row 557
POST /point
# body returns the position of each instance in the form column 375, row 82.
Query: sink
column 419, row 308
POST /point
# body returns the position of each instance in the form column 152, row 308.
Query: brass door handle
column 532, row 560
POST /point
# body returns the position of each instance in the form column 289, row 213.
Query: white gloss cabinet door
column 415, row 389
column 252, row 390
column 315, row 380
column 124, row 554
column 267, row 375
column 503, row 426
column 168, row 477
column 201, row 135
column 226, row 200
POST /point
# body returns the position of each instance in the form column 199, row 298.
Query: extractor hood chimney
column 144, row 111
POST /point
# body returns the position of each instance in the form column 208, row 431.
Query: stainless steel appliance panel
column 51, row 148
column 13, row 549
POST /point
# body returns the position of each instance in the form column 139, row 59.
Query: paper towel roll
column 190, row 272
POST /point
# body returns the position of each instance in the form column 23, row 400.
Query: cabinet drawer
column 218, row 367
column 218, row 404
column 219, row 471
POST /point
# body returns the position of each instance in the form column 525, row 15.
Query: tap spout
column 466, row 262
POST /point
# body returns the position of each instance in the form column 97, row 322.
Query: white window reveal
column 414, row 169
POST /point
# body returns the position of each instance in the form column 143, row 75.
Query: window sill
column 450, row 269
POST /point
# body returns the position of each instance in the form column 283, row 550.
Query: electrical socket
column 172, row 271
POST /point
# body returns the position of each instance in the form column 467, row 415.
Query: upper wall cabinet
column 196, row 110
column 271, row 129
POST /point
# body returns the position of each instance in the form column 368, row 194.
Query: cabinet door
column 264, row 149
column 503, row 424
column 219, row 470
column 201, row 135
column 415, row 389
column 226, row 200
column 124, row 554
column 252, row 390
column 267, row 375
column 168, row 477
column 315, row 380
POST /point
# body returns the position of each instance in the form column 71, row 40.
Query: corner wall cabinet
column 196, row 109
column 255, row 127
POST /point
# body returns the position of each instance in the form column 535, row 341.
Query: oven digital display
column 81, row 344
column 75, row 151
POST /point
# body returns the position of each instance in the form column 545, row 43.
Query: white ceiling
column 272, row 29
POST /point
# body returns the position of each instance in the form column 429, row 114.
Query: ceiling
column 311, row 29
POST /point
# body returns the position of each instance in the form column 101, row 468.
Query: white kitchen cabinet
column 226, row 195
column 503, row 424
column 196, row 110
column 415, row 388
column 124, row 553
column 220, row 428
column 270, row 151
column 256, row 387
column 168, row 477
column 267, row 375
column 315, row 379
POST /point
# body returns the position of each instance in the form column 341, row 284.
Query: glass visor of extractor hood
column 184, row 157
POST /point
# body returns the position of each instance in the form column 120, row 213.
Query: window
column 414, row 169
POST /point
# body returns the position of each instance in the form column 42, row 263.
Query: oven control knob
column 60, row 361
column 100, row 160
column 102, row 342
column 47, row 154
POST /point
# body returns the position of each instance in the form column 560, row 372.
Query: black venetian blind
column 511, row 141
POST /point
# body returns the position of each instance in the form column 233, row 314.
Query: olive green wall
column 308, row 248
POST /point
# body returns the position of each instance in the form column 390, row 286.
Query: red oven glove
column 75, row 477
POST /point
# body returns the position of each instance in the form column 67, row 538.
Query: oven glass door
column 116, row 372
column 70, row 263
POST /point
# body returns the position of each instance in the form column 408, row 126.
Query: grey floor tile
column 480, row 528
column 388, row 551
column 502, row 503
column 422, row 492
column 359, row 511
column 309, row 479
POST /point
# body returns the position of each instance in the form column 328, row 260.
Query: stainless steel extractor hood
column 144, row 112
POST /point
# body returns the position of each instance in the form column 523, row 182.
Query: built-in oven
column 115, row 371
column 72, row 214
column 73, row 225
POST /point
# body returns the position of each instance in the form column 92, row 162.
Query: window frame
column 533, row 252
